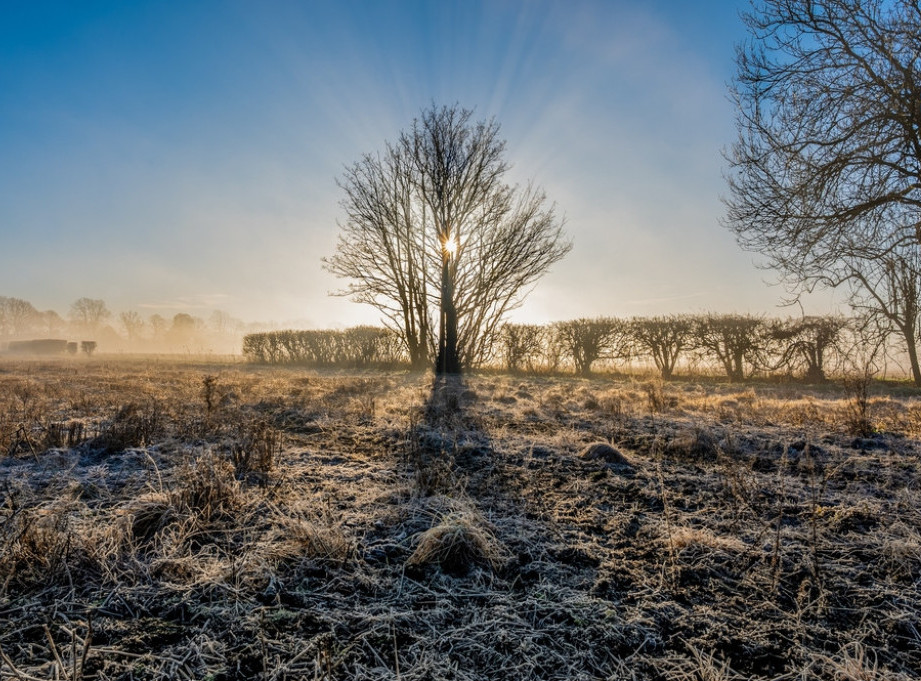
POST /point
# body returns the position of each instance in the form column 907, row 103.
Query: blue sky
column 175, row 156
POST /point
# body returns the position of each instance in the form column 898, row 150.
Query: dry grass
column 168, row 521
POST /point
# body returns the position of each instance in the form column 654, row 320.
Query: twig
column 54, row 648
column 16, row 672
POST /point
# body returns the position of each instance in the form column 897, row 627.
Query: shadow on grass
column 449, row 450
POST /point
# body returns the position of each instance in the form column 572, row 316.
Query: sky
column 172, row 156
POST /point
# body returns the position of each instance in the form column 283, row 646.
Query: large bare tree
column 439, row 242
column 825, row 176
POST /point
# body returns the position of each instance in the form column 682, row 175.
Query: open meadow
column 165, row 519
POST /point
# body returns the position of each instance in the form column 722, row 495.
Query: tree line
column 738, row 346
column 90, row 320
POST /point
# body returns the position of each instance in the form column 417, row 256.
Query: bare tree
column 520, row 346
column 664, row 338
column 51, row 322
column 586, row 341
column 806, row 343
column 886, row 290
column 826, row 172
column 433, row 233
column 17, row 316
column 735, row 341
column 221, row 322
column 158, row 325
column 384, row 248
column 88, row 313
column 184, row 326
column 133, row 323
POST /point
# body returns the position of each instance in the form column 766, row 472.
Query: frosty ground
column 179, row 519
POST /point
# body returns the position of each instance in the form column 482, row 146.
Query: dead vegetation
column 164, row 521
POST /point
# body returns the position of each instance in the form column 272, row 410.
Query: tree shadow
column 448, row 447
column 448, row 400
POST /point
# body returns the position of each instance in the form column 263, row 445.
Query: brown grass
column 165, row 520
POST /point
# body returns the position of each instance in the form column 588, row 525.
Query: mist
column 90, row 327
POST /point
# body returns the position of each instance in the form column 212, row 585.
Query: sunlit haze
column 183, row 157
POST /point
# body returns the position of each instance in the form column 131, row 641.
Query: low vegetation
column 736, row 346
column 179, row 520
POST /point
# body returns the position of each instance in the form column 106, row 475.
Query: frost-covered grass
column 168, row 520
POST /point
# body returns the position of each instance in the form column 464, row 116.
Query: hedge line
column 360, row 346
column 736, row 345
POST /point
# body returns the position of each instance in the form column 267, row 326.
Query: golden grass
column 195, row 520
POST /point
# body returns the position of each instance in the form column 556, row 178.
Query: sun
column 451, row 246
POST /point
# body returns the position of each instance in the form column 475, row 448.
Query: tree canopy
column 437, row 240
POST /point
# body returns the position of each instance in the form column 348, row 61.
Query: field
column 182, row 520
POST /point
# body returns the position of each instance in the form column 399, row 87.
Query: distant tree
column 664, row 338
column 87, row 314
column 806, row 342
column 825, row 176
column 51, row 322
column 17, row 317
column 184, row 328
column 438, row 242
column 520, row 346
column 183, row 322
column 158, row 325
column 220, row 321
column 585, row 341
column 133, row 324
column 89, row 347
column 735, row 341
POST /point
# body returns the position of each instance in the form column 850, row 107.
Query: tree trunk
column 448, row 361
column 912, row 348
column 738, row 369
column 418, row 359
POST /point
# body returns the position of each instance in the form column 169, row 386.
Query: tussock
column 131, row 426
column 300, row 540
column 148, row 515
column 602, row 451
column 692, row 537
column 208, row 487
column 456, row 544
